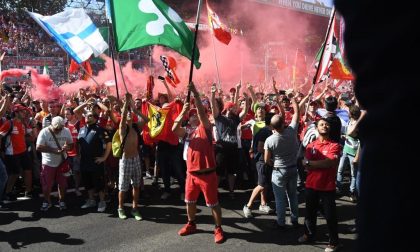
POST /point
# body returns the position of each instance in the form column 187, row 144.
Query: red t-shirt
column 322, row 179
column 74, row 134
column 15, row 144
column 200, row 154
column 246, row 133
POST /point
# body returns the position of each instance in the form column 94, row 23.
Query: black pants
column 327, row 199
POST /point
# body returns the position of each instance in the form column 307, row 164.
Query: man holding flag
column 201, row 168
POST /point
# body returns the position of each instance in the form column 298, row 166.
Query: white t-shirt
column 45, row 138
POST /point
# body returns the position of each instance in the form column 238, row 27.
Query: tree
column 44, row 7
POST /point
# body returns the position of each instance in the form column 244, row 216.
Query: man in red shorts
column 201, row 168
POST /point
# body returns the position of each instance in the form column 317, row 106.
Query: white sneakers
column 247, row 212
column 101, row 206
column 89, row 203
column 266, row 209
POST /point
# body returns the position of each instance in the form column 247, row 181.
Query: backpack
column 3, row 146
column 117, row 145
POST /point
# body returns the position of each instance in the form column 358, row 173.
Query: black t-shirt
column 335, row 126
column 226, row 128
column 92, row 141
column 261, row 136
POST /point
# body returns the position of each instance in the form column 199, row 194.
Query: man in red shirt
column 16, row 158
column 321, row 161
column 201, row 168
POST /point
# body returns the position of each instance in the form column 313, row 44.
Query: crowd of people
column 286, row 142
column 20, row 35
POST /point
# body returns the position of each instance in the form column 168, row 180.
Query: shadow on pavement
column 23, row 237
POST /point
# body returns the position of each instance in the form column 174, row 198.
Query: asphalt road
column 24, row 227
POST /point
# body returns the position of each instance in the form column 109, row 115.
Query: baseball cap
column 227, row 106
column 57, row 122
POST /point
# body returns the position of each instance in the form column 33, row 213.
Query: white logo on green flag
column 140, row 23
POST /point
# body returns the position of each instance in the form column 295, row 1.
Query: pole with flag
column 194, row 47
column 324, row 59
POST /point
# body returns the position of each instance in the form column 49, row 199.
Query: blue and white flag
column 74, row 31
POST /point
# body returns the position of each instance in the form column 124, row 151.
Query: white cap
column 57, row 122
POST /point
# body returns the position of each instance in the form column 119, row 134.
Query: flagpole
column 122, row 75
column 111, row 50
column 320, row 61
column 194, row 47
column 86, row 72
column 215, row 60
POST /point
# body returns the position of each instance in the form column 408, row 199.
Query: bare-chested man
column 130, row 168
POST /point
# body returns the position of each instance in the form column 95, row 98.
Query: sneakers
column 332, row 248
column 218, row 235
column 62, row 205
column 279, row 227
column 266, row 209
column 121, row 214
column 136, row 214
column 165, row 196
column 27, row 196
column 247, row 212
column 45, row 206
column 187, row 229
column 89, row 203
column 101, row 206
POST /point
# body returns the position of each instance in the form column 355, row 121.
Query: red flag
column 161, row 120
column 327, row 50
column 169, row 63
column 339, row 71
column 88, row 68
column 219, row 30
column 74, row 67
column 150, row 86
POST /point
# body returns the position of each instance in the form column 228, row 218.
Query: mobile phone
column 282, row 92
column 161, row 78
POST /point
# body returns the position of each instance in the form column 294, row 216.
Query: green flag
column 139, row 23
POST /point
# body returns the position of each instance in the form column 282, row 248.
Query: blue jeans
column 353, row 171
column 284, row 183
column 3, row 178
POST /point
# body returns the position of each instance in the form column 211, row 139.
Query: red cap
column 227, row 106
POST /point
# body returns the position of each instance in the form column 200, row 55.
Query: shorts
column 130, row 170
column 206, row 183
column 49, row 175
column 17, row 163
column 227, row 159
column 94, row 180
column 74, row 163
column 264, row 174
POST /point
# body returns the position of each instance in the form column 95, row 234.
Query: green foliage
column 44, row 7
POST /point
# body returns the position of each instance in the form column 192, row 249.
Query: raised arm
column 238, row 89
column 253, row 95
column 214, row 107
column 142, row 118
column 296, row 114
column 244, row 111
column 123, row 122
column 202, row 116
